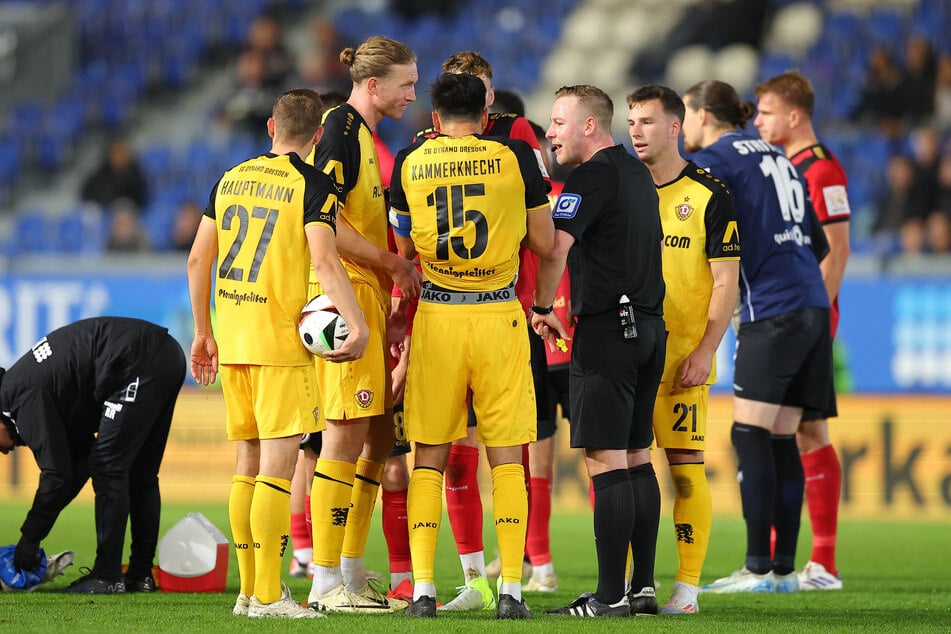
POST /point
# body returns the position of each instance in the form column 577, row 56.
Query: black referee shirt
column 609, row 204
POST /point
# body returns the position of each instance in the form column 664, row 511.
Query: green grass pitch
column 897, row 577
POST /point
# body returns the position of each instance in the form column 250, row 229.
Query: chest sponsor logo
column 677, row 242
column 566, row 206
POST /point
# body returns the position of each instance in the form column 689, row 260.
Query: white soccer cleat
column 340, row 599
column 743, row 580
column 56, row 564
column 241, row 605
column 683, row 600
column 284, row 608
column 541, row 584
column 373, row 591
column 814, row 576
column 475, row 595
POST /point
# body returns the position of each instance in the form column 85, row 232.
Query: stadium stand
column 534, row 48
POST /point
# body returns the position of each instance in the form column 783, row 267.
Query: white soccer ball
column 321, row 327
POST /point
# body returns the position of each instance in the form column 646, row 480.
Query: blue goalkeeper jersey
column 779, row 271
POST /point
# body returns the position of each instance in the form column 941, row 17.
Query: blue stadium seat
column 32, row 233
column 82, row 231
column 157, row 220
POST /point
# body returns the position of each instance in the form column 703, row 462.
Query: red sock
column 537, row 545
column 463, row 500
column 300, row 532
column 310, row 523
column 528, row 477
column 823, row 485
column 396, row 530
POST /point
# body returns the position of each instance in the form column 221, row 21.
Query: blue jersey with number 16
column 778, row 269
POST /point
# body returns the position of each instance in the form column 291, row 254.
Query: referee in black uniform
column 95, row 399
column 608, row 229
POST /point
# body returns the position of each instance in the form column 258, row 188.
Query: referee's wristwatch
column 542, row 310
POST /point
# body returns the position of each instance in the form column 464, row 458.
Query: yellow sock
column 239, row 514
column 271, row 527
column 693, row 515
column 423, row 514
column 329, row 507
column 627, row 566
column 510, row 509
column 366, row 486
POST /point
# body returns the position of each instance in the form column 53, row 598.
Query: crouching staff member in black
column 608, row 229
column 95, row 399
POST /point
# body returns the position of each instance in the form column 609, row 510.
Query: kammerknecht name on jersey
column 456, row 169
column 238, row 298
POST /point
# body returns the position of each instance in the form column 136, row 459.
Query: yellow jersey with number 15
column 260, row 208
column 464, row 201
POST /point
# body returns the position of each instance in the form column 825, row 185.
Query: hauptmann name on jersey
column 268, row 191
column 250, row 296
column 455, row 169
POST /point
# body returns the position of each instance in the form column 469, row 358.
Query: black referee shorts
column 613, row 381
column 787, row 360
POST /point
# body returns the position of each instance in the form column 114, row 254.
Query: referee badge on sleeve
column 566, row 206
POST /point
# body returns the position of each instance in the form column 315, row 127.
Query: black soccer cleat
column 423, row 607
column 643, row 603
column 587, row 606
column 88, row 584
column 509, row 608
column 142, row 584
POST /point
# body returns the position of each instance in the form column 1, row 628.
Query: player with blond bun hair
column 784, row 118
column 357, row 397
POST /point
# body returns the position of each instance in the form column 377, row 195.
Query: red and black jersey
column 827, row 184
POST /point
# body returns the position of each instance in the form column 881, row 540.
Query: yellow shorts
column 463, row 350
column 361, row 388
column 680, row 417
column 264, row 401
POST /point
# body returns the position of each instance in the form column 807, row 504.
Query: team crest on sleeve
column 566, row 206
column 364, row 398
column 684, row 209
column 837, row 201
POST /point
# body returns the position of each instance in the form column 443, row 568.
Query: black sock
column 613, row 525
column 757, row 476
column 646, row 518
column 787, row 506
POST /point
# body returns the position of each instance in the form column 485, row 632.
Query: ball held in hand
column 321, row 327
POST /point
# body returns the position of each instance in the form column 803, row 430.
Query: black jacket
column 54, row 396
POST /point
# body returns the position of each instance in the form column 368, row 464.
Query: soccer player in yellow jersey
column 463, row 202
column 357, row 396
column 267, row 221
column 701, row 269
